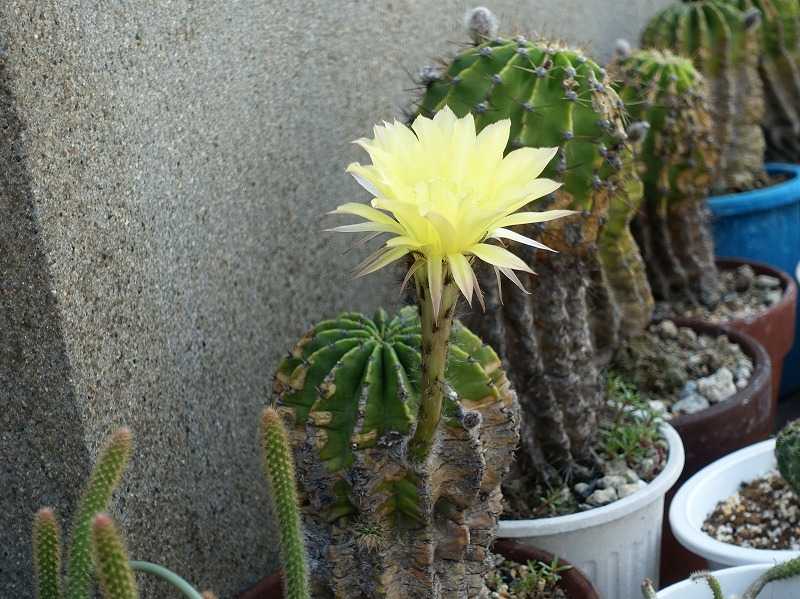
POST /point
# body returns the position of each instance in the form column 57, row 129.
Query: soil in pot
column 630, row 452
column 531, row 580
column 763, row 514
column 678, row 371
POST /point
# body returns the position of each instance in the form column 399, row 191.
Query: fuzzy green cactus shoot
column 111, row 562
column 787, row 453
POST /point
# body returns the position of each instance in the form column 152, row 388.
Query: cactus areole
column 556, row 341
column 379, row 522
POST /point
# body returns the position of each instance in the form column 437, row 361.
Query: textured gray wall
column 164, row 168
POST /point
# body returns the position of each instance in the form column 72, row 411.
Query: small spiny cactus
column 110, row 559
column 279, row 469
column 47, row 554
column 677, row 160
column 723, row 42
column 787, row 453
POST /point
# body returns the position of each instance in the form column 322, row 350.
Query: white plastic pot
column 618, row 545
column 698, row 497
column 734, row 580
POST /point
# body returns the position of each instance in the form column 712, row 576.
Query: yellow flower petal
column 435, row 282
column 508, row 234
column 524, row 218
column 383, row 257
column 498, row 256
column 462, row 274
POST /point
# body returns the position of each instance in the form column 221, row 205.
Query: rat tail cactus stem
column 110, row 559
column 789, row 569
column 787, row 453
column 47, row 554
column 279, row 469
column 104, row 479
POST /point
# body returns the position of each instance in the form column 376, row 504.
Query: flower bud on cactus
column 379, row 523
column 47, row 554
column 279, row 468
column 481, row 24
column 557, row 96
column 724, row 45
column 111, row 562
column 677, row 159
column 787, row 453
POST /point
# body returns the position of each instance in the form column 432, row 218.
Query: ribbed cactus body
column 111, row 563
column 676, row 160
column 779, row 68
column 379, row 523
column 787, row 453
column 104, row 479
column 279, row 469
column 723, row 42
column 555, row 341
column 47, row 554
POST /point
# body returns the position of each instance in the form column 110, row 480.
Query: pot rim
column 617, row 510
column 755, row 569
column 699, row 542
column 759, row 200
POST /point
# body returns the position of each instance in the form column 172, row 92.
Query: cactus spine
column 380, row 522
column 111, row 562
column 787, row 454
column 104, row 479
column 47, row 554
column 723, row 43
column 676, row 161
column 279, row 469
column 556, row 96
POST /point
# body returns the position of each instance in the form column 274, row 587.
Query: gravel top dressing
column 763, row 514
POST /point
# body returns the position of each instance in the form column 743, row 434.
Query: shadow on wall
column 42, row 455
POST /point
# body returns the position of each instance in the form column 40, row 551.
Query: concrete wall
column 164, row 165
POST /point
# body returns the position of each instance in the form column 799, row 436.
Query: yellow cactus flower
column 442, row 192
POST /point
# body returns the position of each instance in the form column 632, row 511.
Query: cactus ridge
column 279, row 469
column 111, row 562
column 104, row 479
column 723, row 43
column 47, row 554
column 787, row 454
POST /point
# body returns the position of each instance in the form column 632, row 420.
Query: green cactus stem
column 110, row 559
column 382, row 522
column 788, row 569
column 279, row 469
column 676, row 162
column 787, row 454
column 104, row 479
column 557, row 340
column 723, row 43
column 711, row 581
column 779, row 68
column 47, row 554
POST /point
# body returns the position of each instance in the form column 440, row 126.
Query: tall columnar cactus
column 279, row 469
column 555, row 341
column 779, row 68
column 676, row 159
column 380, row 523
column 787, row 453
column 111, row 562
column 47, row 554
column 724, row 44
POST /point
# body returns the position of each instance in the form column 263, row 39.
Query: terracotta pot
column 773, row 328
column 741, row 420
column 574, row 584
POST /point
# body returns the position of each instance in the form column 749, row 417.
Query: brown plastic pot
column 573, row 582
column 741, row 420
column 774, row 328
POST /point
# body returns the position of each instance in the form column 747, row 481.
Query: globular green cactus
column 595, row 290
column 111, row 562
column 104, row 478
column 787, row 453
column 379, row 522
column 279, row 469
column 47, row 554
column 677, row 160
column 779, row 67
column 723, row 43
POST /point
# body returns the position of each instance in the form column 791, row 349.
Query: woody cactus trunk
column 380, row 521
column 676, row 160
column 557, row 340
column 723, row 42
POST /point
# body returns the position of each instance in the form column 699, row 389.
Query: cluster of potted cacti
column 398, row 448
